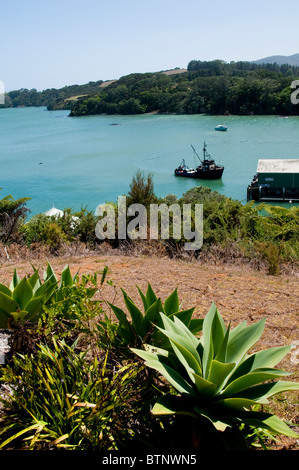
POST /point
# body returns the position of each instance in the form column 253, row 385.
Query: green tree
column 142, row 189
column 12, row 215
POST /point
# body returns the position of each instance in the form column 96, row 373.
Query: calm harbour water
column 72, row 162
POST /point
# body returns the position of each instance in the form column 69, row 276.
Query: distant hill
column 280, row 60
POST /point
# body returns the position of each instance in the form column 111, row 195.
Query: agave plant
column 218, row 381
column 24, row 299
column 137, row 327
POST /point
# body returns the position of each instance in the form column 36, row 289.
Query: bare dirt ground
column 240, row 293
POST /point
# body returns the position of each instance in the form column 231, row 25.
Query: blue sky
column 50, row 44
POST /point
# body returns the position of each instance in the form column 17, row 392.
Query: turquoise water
column 73, row 162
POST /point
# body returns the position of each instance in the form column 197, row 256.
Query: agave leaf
column 35, row 306
column 203, row 386
column 240, row 403
column 184, row 315
column 219, row 421
column 235, row 331
column 171, row 304
column 156, row 350
column 267, row 390
column 184, row 351
column 152, row 313
column 120, row 314
column 239, row 344
column 191, row 364
column 7, row 303
column 182, row 328
column 150, row 295
column 66, row 277
column 208, row 354
column 136, row 315
column 34, row 280
column 50, row 273
column 5, row 290
column 253, row 378
column 170, row 405
column 270, row 357
column 266, row 358
column 143, row 298
column 181, row 334
column 4, row 319
column 22, row 293
column 222, row 350
column 126, row 332
column 160, row 355
column 195, row 325
column 213, row 322
column 47, row 288
column 219, row 371
column 15, row 280
column 268, row 421
column 218, row 332
column 173, row 377
column 213, row 332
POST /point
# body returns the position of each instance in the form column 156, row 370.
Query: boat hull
column 203, row 175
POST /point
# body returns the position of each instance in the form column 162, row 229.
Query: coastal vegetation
column 49, row 97
column 214, row 87
column 261, row 235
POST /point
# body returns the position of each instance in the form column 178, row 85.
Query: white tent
column 58, row 213
column 55, row 212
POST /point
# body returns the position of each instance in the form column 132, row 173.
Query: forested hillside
column 214, row 87
column 51, row 97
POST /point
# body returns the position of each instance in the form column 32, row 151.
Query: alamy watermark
column 2, row 92
column 185, row 222
column 295, row 94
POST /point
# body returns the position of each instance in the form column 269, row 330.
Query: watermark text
column 159, row 221
column 295, row 94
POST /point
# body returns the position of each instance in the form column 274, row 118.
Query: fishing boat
column 207, row 169
column 221, row 127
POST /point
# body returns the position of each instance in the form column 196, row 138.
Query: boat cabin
column 275, row 180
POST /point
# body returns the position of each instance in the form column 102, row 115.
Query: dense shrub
column 265, row 235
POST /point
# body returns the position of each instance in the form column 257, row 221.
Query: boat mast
column 205, row 151
column 196, row 153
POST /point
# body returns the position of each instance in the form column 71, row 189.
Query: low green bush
column 46, row 230
column 24, row 299
column 40, row 307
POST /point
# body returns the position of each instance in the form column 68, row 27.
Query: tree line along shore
column 214, row 87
